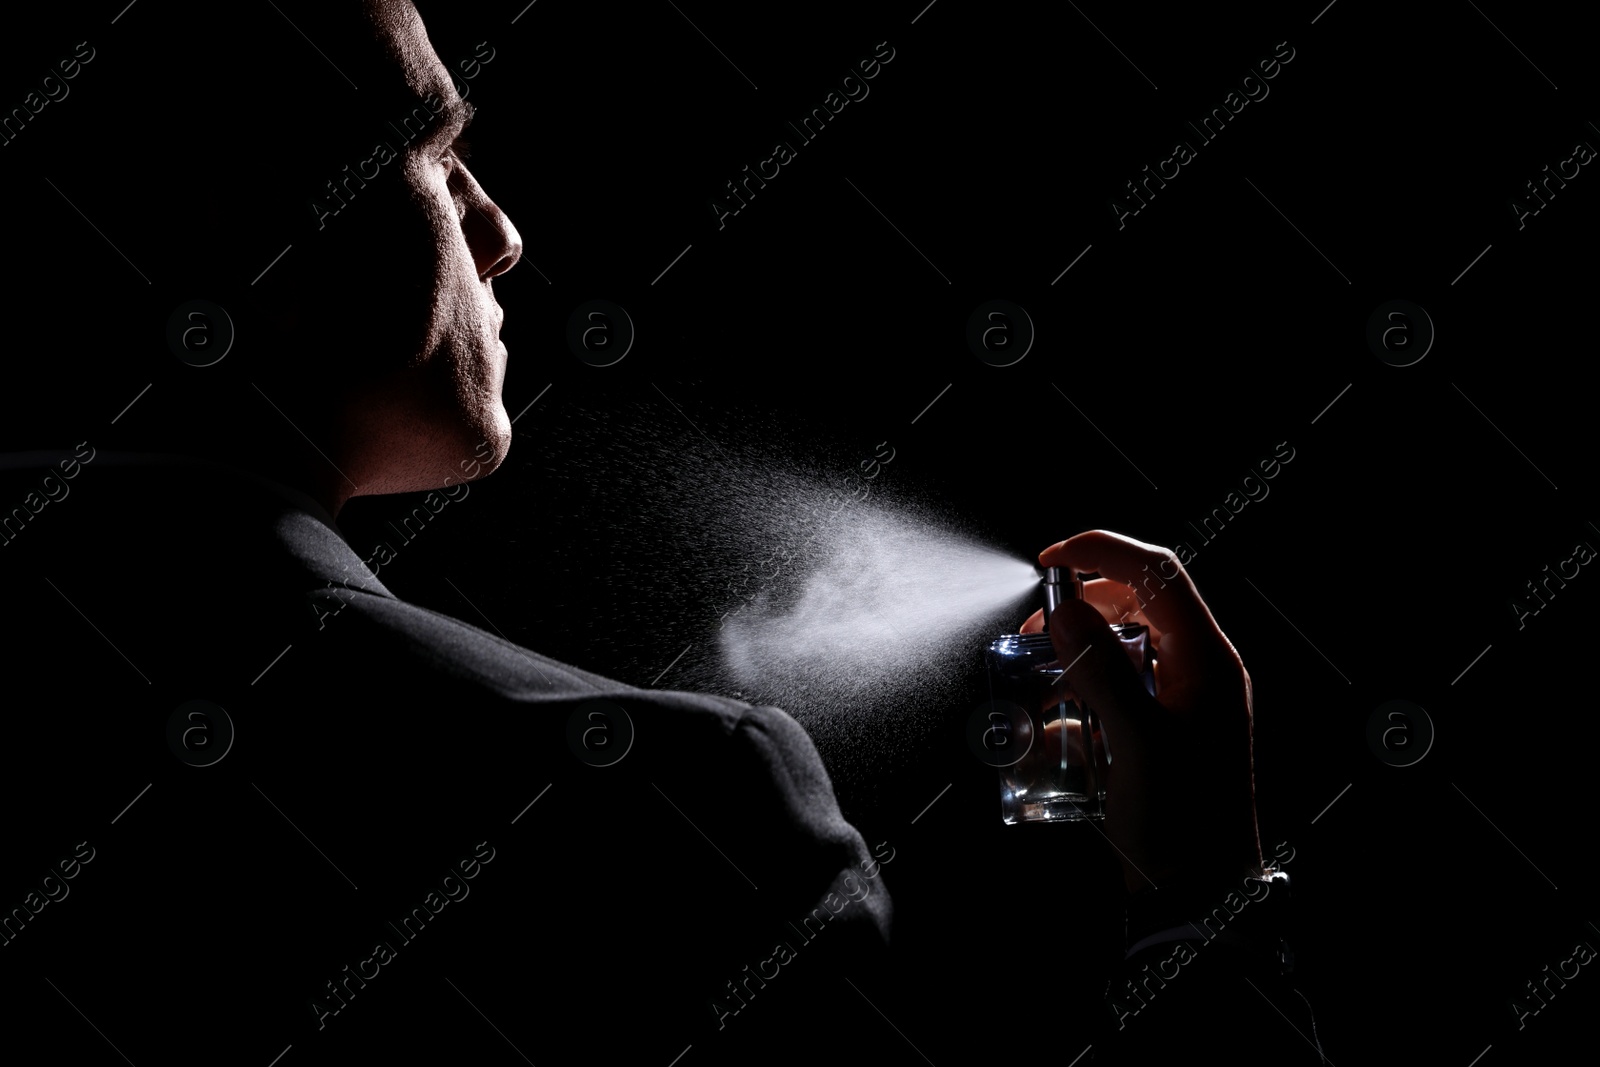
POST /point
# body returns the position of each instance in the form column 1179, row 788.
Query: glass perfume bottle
column 1065, row 754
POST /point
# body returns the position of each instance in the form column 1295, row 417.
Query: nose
column 495, row 243
column 510, row 250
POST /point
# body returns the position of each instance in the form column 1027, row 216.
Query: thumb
column 1097, row 668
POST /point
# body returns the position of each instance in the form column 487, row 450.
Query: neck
column 314, row 476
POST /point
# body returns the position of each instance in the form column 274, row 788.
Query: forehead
column 403, row 65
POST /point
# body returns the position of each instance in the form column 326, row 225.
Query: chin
column 408, row 434
column 497, row 437
column 490, row 441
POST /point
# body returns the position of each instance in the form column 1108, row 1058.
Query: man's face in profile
column 435, row 403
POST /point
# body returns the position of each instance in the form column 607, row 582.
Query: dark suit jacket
column 401, row 836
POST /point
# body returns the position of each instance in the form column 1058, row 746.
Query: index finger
column 1171, row 601
column 1116, row 601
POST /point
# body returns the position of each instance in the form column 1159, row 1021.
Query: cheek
column 440, row 307
column 383, row 278
column 432, row 273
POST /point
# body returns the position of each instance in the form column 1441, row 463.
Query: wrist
column 1215, row 862
column 1245, row 907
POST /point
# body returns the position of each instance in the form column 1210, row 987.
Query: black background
column 1191, row 341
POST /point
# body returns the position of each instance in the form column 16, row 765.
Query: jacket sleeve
column 815, row 925
column 1206, row 964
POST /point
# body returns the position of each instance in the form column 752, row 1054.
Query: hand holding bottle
column 1180, row 792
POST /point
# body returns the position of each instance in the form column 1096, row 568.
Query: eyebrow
column 457, row 114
